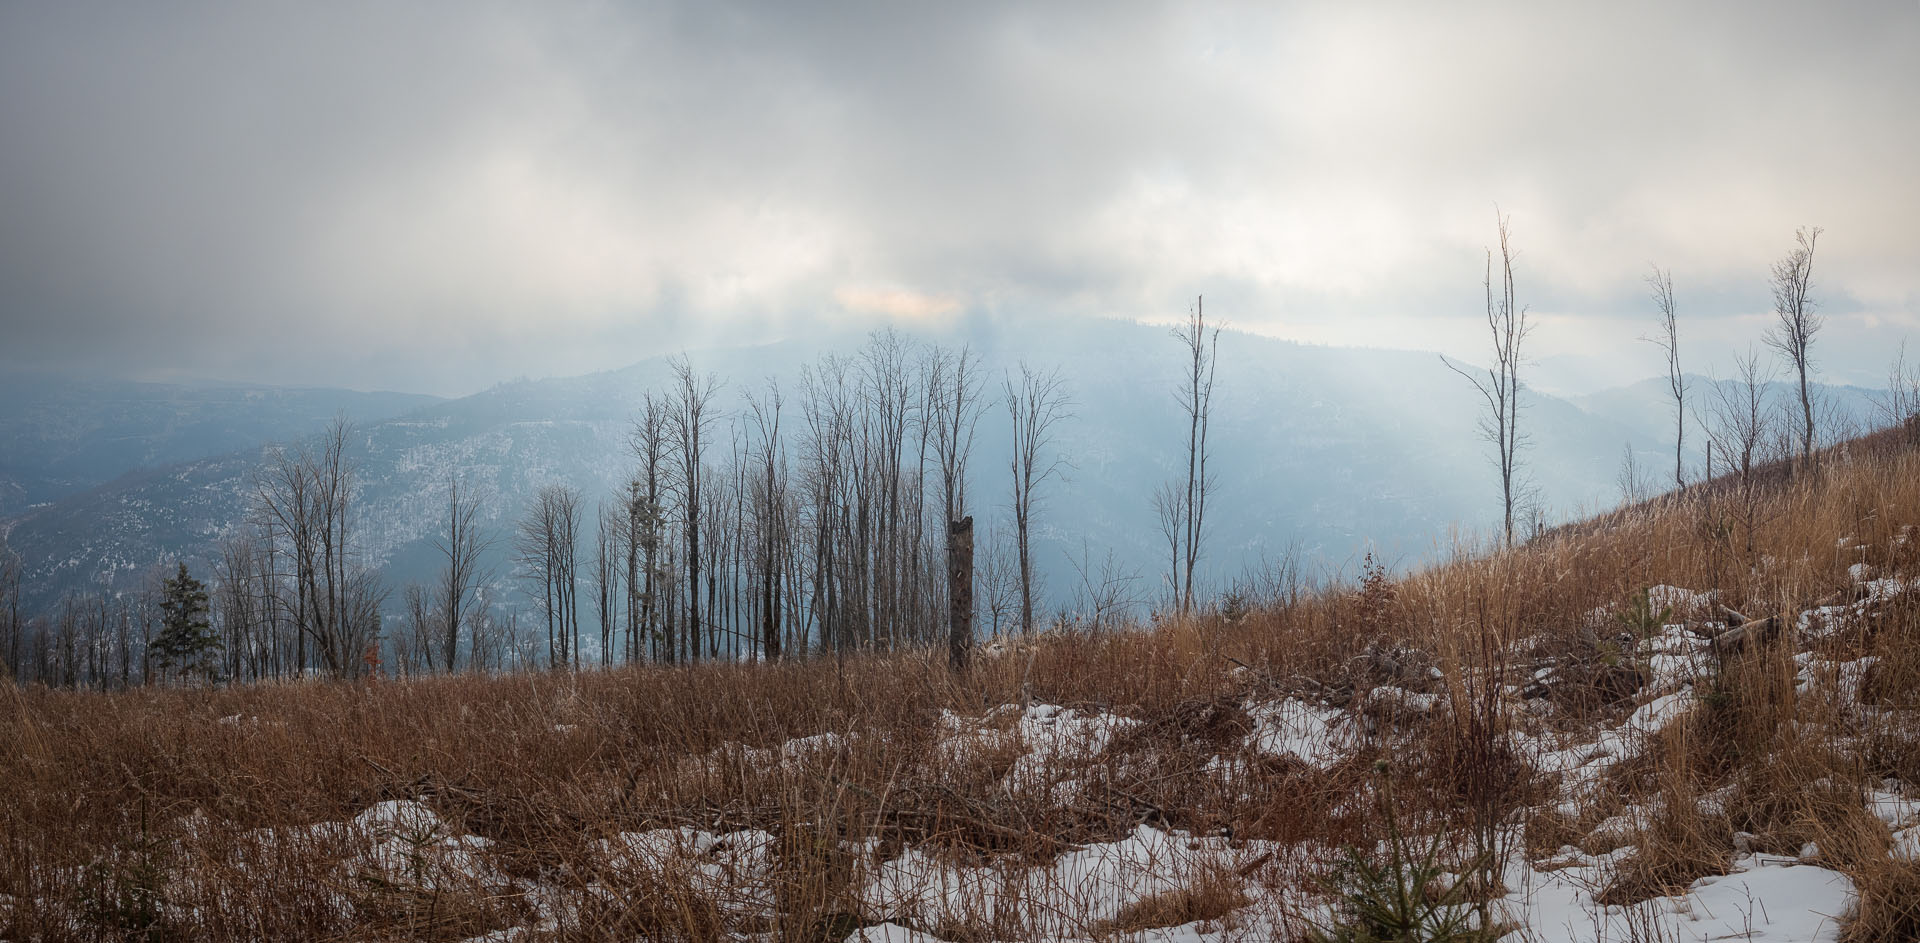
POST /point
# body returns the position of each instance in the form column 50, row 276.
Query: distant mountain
column 1321, row 452
column 60, row 436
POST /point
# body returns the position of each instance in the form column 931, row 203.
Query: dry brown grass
column 1889, row 908
column 131, row 814
column 1213, row 896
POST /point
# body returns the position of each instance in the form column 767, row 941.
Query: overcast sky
column 433, row 197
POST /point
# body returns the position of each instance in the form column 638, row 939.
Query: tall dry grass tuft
column 1683, row 836
column 1889, row 907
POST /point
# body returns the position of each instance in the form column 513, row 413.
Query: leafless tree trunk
column 486, row 633
column 828, row 442
column 769, row 502
column 95, row 637
column 125, row 627
column 361, row 596
column 999, row 582
column 646, row 517
column 631, row 543
column 1660, row 286
column 534, row 545
column 1170, row 510
column 882, row 487
column 237, row 607
column 547, row 547
column 414, row 650
column 960, row 592
column 1739, row 428
column 955, row 382
column 10, row 591
column 567, row 552
column 1632, row 487
column 288, row 652
column 954, row 379
column 66, row 644
column 1791, row 280
column 1034, row 406
column 350, row 593
column 462, row 547
column 334, row 480
column 147, row 601
column 606, row 576
column 308, row 496
column 1106, row 592
column 1507, row 323
column 284, row 496
column 686, row 429
column 1196, row 400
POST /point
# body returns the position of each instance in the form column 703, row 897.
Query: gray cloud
column 436, row 195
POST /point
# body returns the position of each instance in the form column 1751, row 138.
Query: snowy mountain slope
column 60, row 436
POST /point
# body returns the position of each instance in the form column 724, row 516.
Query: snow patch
column 1309, row 732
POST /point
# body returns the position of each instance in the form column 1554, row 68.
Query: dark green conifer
column 185, row 634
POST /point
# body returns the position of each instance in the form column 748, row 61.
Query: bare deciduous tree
column 686, row 428
column 1660, row 287
column 306, row 496
column 999, row 582
column 1507, row 323
column 887, row 499
column 1105, row 595
column 646, row 519
column 1034, row 406
column 1791, row 281
column 827, row 411
column 10, row 602
column 462, row 547
column 607, row 573
column 238, row 608
column 769, row 514
column 488, row 635
column 547, row 548
column 413, row 650
column 284, row 499
column 1632, row 486
column 1169, row 510
column 1739, row 429
column 1195, row 396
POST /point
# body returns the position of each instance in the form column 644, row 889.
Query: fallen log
column 1752, row 633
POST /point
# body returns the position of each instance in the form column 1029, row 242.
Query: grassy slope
column 99, row 793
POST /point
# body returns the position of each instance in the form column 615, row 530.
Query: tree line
column 755, row 523
column 834, row 517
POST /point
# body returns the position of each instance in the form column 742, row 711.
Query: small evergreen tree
column 185, row 634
